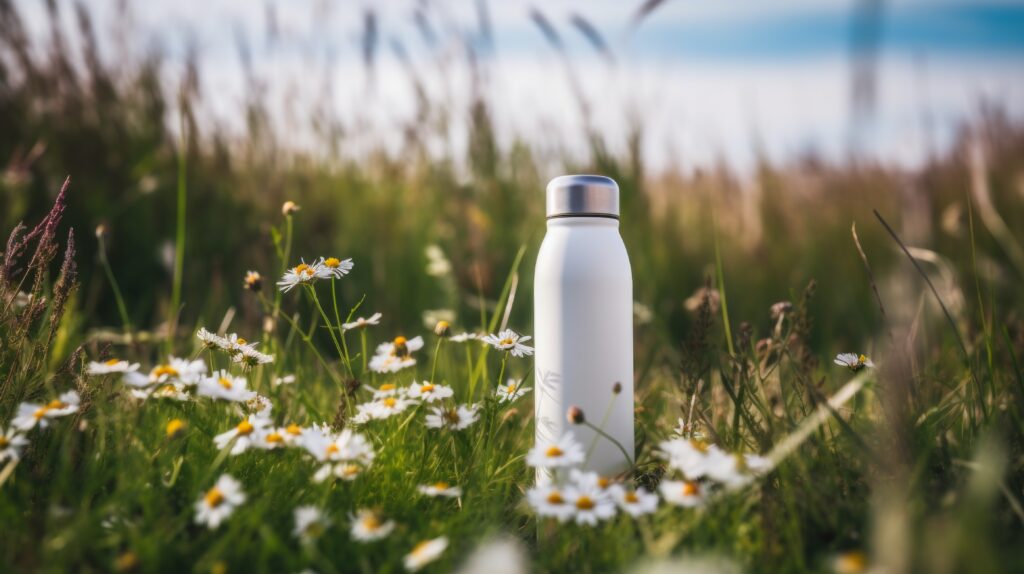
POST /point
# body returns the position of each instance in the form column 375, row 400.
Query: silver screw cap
column 583, row 196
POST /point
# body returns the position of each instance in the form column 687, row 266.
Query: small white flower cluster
column 396, row 355
column 181, row 380
column 390, row 399
column 706, row 468
column 323, row 268
column 32, row 415
column 241, row 351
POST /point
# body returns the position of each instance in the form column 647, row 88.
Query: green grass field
column 747, row 289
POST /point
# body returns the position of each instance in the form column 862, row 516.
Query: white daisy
column 689, row 457
column 333, row 268
column 249, row 357
column 174, row 370
column 440, row 489
column 259, row 405
column 344, row 446
column 428, row 392
column 31, row 414
column 236, row 344
column 219, row 502
column 298, row 275
column 565, row 452
column 853, row 361
column 225, row 386
column 734, row 470
column 383, row 408
column 11, row 444
column 463, row 337
column 285, row 380
column 173, row 391
column 592, row 504
column 344, row 471
column 362, row 323
column 270, row 438
column 424, row 553
column 550, row 501
column 368, row 526
column 590, row 480
column 310, row 523
column 389, row 390
column 212, row 340
column 685, row 493
column 396, row 355
column 634, row 502
column 111, row 366
column 243, row 435
column 510, row 341
column 510, row 391
column 454, row 418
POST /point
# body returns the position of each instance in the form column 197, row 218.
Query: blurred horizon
column 733, row 82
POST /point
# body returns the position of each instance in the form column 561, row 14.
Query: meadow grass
column 917, row 468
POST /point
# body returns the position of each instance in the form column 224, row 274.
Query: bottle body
column 583, row 327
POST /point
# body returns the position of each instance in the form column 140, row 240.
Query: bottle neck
column 583, row 221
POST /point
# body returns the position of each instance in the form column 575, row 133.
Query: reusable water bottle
column 583, row 322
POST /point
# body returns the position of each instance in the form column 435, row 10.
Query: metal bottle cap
column 583, row 196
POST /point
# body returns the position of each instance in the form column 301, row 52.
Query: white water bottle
column 583, row 323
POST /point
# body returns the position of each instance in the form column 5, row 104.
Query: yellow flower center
column 275, row 438
column 862, row 359
column 294, row 429
column 426, row 388
column 700, row 445
column 111, row 362
column 241, row 341
column 332, row 449
column 332, row 262
column 164, row 370
column 603, row 482
column 511, row 389
column 584, row 503
column 4, row 441
column 244, row 428
column 40, row 413
column 175, row 426
column 441, row 485
column 690, row 488
column 420, row 548
column 390, row 402
column 371, row 522
column 553, row 451
column 349, row 470
column 506, row 341
column 224, row 382
column 399, row 341
column 387, row 387
column 214, row 497
column 165, row 390
column 555, row 498
column 302, row 270
column 55, row 404
column 631, row 497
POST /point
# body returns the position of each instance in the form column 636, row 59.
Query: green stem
column 341, row 333
column 615, row 442
column 179, row 240
column 433, row 367
column 323, row 315
column 121, row 308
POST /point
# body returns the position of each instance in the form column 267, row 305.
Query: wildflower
column 285, row 380
column 437, row 264
column 592, row 504
column 225, row 386
column 367, row 526
column 443, row 329
column 340, row 451
column 174, row 391
column 685, row 493
column 510, row 391
column 219, row 502
column 344, row 471
column 424, row 553
column 733, row 470
column 384, row 408
column 212, row 340
column 780, row 309
column 259, row 405
column 174, row 370
column 249, row 357
column 300, row 274
column 564, row 452
column 687, row 456
column 634, row 502
column 242, row 436
column 31, row 414
column 851, row 562
column 455, row 418
column 253, row 281
column 550, row 501
column 333, row 268
column 272, row 438
column 395, row 356
column 310, row 523
column 440, row 489
column 11, row 444
column 590, row 480
column 362, row 323
column 389, row 390
column 463, row 337
column 428, row 392
column 853, row 361
column 111, row 366
column 175, row 428
column 510, row 341
column 289, row 208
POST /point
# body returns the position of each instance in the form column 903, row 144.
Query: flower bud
column 253, row 281
column 175, row 428
column 575, row 415
column 443, row 329
column 289, row 208
column 617, row 388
